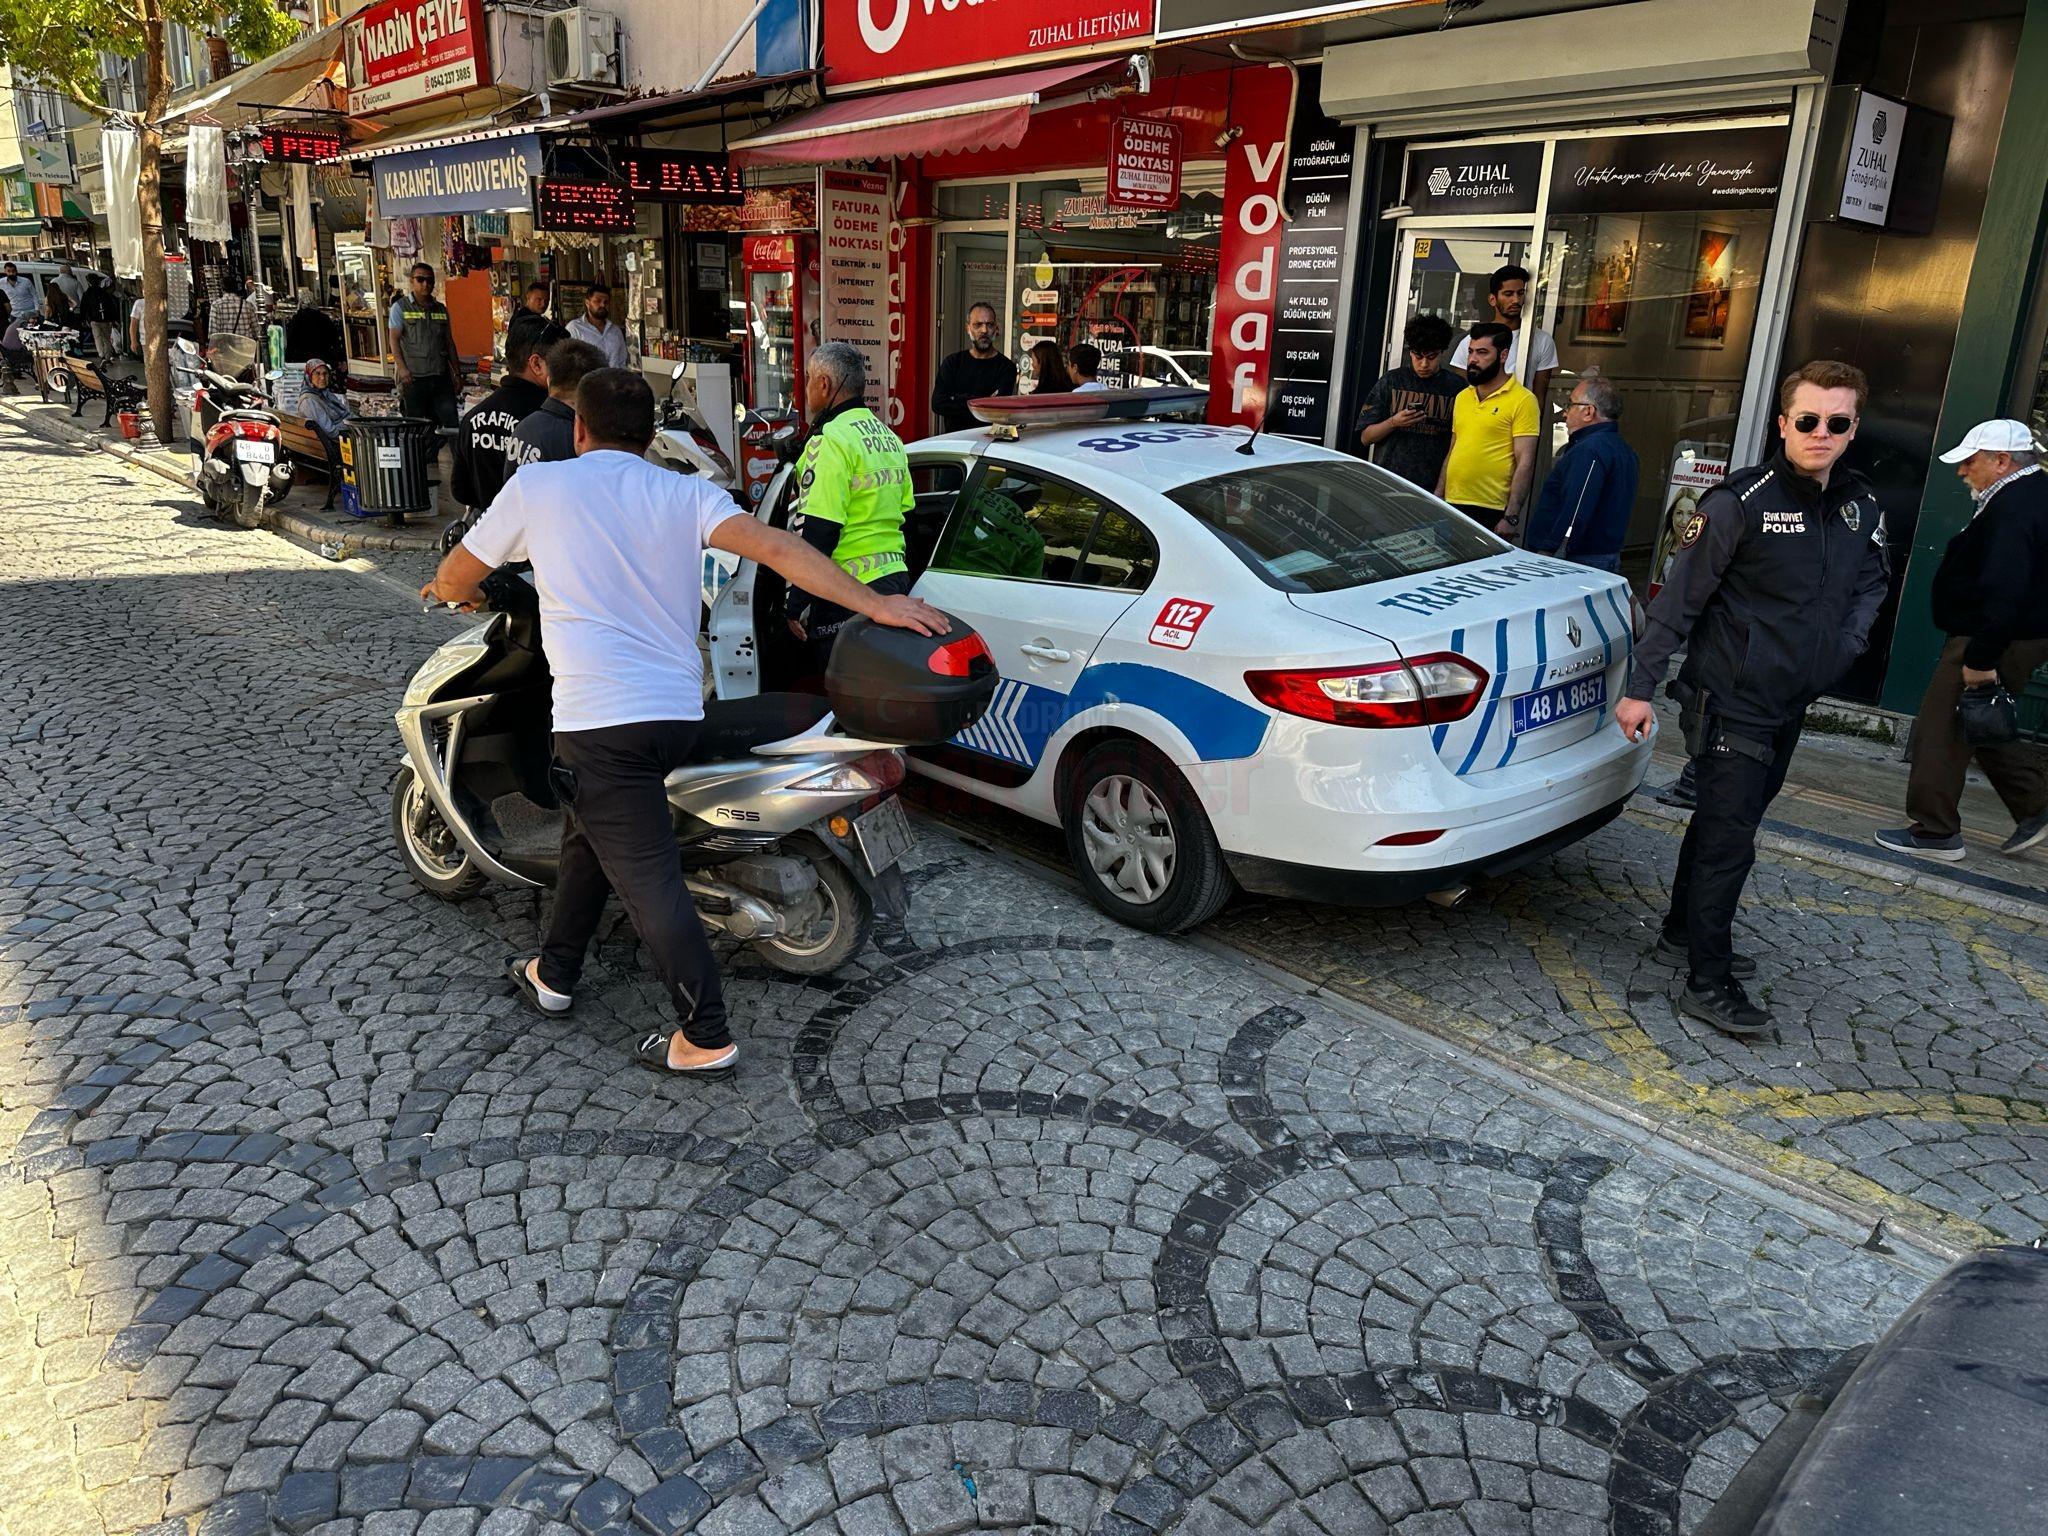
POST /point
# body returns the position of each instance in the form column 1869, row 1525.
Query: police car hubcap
column 1128, row 839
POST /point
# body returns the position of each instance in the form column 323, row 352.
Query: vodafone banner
column 1248, row 257
column 872, row 40
column 402, row 51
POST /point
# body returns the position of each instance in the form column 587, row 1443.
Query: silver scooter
column 790, row 834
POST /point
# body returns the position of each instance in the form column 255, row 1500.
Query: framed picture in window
column 1608, row 280
column 1703, row 317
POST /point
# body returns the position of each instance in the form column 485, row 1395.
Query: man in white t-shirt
column 616, row 545
column 1508, row 293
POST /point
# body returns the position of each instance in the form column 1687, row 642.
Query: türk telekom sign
column 402, row 51
column 867, row 41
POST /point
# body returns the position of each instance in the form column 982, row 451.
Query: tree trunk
column 156, row 350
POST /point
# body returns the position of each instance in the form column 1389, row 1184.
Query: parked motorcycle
column 788, row 829
column 243, row 467
column 682, row 441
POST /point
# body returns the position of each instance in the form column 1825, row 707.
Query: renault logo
column 1572, row 631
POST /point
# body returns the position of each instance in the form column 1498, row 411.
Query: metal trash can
column 387, row 464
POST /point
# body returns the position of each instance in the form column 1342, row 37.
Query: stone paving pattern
column 1026, row 1222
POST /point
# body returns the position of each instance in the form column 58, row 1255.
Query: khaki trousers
column 1941, row 756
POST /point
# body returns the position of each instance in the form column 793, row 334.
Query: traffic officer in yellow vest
column 852, row 490
column 425, row 348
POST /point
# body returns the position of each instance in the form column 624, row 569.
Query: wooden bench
column 307, row 450
column 88, row 383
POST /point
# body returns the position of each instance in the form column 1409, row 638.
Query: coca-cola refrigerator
column 781, row 285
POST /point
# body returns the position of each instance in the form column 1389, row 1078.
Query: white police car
column 1234, row 662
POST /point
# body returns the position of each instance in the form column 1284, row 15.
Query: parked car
column 1231, row 661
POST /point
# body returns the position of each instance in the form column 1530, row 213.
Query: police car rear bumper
column 1394, row 887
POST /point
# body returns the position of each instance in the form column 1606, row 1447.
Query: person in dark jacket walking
column 1990, row 597
column 1778, row 579
column 102, row 311
column 972, row 374
column 1582, row 512
column 487, row 431
column 549, row 435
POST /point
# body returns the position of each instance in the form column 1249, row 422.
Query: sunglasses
column 1838, row 426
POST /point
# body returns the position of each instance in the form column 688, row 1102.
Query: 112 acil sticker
column 1178, row 622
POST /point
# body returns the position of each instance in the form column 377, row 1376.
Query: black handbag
column 1988, row 715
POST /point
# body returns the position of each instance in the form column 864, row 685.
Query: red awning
column 930, row 120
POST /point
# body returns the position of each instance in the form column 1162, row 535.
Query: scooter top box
column 915, row 690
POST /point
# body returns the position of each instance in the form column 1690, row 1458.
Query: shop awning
column 473, row 130
column 650, row 111
column 929, row 120
column 273, row 81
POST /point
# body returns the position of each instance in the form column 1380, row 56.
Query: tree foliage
column 57, row 43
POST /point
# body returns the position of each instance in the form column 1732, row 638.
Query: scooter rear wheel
column 834, row 923
column 434, row 859
column 250, row 514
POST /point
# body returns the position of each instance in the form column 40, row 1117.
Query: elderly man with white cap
column 1990, row 597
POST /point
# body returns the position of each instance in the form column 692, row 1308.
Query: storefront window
column 644, row 272
column 1140, row 286
column 1663, row 305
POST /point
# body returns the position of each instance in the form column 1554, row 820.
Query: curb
column 343, row 543
column 1985, row 892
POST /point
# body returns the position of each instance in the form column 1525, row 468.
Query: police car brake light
column 1638, row 616
column 1430, row 690
column 1081, row 409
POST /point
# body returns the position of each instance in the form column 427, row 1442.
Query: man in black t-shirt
column 1406, row 422
column 979, row 371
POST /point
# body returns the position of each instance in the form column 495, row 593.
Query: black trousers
column 434, row 398
column 617, row 836
column 1735, row 787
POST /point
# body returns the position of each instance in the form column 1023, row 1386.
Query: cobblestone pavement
column 1024, row 1223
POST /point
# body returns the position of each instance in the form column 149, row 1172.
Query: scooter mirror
column 677, row 376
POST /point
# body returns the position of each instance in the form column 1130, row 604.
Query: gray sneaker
column 2030, row 833
column 1949, row 850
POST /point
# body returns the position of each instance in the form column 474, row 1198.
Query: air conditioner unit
column 583, row 48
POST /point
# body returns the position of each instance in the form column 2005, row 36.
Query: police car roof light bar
column 1078, row 409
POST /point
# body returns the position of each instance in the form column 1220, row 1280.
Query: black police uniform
column 1775, row 587
column 487, row 433
column 545, row 437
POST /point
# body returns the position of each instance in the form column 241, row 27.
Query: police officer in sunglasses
column 1778, row 579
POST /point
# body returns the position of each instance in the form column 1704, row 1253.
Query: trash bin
column 388, row 464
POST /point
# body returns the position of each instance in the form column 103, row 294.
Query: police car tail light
column 1638, row 616
column 872, row 774
column 1429, row 690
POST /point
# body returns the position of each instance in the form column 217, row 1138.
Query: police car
column 1236, row 661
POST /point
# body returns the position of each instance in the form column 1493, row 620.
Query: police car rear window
column 1331, row 524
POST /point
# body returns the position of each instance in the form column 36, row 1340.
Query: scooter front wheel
column 435, row 860
column 828, row 927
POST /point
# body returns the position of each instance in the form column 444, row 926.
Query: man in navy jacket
column 1583, row 510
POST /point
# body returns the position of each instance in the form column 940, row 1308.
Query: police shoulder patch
column 1694, row 527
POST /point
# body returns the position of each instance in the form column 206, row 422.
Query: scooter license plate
column 249, row 451
column 884, row 835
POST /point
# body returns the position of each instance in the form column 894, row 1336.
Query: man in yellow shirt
column 1494, row 422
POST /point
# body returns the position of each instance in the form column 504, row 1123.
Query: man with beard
column 973, row 374
column 1507, row 294
column 1486, row 474
column 596, row 326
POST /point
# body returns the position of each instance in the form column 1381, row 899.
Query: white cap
column 2002, row 436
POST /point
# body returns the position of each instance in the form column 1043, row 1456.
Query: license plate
column 1547, row 706
column 884, row 835
column 252, row 452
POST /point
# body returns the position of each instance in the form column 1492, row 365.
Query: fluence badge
column 1694, row 527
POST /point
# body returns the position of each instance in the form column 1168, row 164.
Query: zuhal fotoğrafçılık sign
column 1474, row 178
column 489, row 176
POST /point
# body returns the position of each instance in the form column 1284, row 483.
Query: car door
column 1042, row 567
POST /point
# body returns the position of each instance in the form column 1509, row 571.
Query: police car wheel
column 1140, row 842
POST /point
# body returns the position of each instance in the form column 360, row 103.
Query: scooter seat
column 734, row 727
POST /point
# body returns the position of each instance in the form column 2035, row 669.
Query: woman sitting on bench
column 326, row 411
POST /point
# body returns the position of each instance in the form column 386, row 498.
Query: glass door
column 973, row 260
column 1447, row 272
